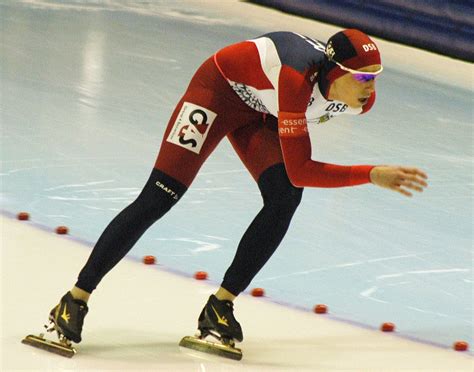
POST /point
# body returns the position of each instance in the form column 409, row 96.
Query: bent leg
column 280, row 201
column 265, row 233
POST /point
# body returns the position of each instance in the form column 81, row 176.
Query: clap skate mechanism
column 224, row 347
column 63, row 347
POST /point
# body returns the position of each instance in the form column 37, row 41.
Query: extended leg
column 160, row 193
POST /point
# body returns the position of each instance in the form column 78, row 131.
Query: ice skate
column 66, row 319
column 217, row 320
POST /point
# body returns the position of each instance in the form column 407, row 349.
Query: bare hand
column 400, row 179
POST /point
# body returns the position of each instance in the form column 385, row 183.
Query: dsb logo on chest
column 191, row 127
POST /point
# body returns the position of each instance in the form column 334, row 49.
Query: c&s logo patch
column 191, row 127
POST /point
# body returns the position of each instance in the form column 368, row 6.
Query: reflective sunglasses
column 361, row 76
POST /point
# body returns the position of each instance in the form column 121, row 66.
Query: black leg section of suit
column 280, row 200
column 159, row 195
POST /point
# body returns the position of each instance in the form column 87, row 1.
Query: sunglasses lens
column 364, row 78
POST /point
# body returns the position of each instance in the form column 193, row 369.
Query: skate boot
column 217, row 320
column 66, row 319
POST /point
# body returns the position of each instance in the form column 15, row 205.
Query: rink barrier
column 440, row 26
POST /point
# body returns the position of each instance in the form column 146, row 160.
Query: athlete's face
column 353, row 92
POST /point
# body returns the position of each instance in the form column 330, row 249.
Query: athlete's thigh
column 194, row 130
column 258, row 147
column 208, row 111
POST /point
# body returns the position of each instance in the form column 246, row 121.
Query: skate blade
column 51, row 346
column 211, row 347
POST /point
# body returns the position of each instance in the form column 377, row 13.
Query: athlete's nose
column 370, row 86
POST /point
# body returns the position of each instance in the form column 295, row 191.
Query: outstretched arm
column 302, row 171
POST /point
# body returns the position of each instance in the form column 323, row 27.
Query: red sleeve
column 302, row 171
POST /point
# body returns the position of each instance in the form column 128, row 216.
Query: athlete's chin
column 355, row 105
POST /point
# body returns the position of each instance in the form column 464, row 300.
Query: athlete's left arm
column 305, row 172
column 294, row 94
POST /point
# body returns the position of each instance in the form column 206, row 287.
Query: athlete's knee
column 277, row 191
column 286, row 200
column 160, row 194
column 290, row 198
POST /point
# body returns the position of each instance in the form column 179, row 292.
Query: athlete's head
column 352, row 63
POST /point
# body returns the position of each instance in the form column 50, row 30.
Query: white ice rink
column 141, row 312
column 86, row 89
